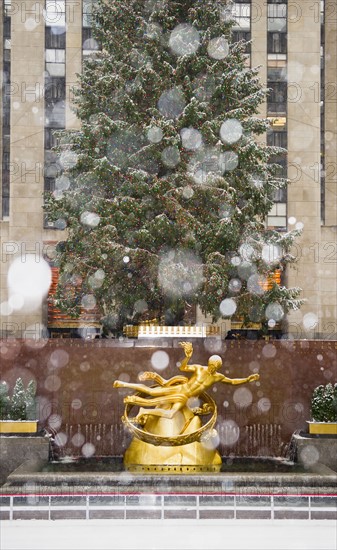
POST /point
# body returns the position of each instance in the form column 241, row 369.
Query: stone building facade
column 43, row 43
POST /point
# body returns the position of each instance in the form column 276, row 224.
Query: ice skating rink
column 169, row 535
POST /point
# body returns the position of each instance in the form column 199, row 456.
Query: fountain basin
column 106, row 475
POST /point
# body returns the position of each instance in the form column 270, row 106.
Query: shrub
column 324, row 403
column 21, row 406
column 4, row 400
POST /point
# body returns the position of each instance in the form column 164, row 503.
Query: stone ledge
column 318, row 449
column 16, row 449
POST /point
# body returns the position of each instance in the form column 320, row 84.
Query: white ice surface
column 168, row 535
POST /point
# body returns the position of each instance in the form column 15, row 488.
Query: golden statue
column 169, row 435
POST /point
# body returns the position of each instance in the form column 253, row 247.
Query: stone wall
column 14, row 450
column 77, row 404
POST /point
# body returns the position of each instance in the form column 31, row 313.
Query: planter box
column 329, row 428
column 18, row 426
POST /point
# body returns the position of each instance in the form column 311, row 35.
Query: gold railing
column 157, row 331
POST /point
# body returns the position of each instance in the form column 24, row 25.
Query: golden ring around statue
column 181, row 439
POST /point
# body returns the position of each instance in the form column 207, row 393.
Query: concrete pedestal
column 14, row 450
column 311, row 450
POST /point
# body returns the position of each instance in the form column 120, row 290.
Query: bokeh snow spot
column 76, row 404
column 274, row 311
column 60, row 439
column 234, row 285
column 228, row 161
column 309, row 455
column 218, row 48
column 227, row 307
column 242, row 397
column 269, row 351
column 204, row 87
column 52, row 382
column 88, row 301
column 54, row 421
column 263, row 404
column 90, row 219
column 231, row 131
column 230, row 432
column 310, row 321
column 28, row 279
column 188, row 192
column 172, row 103
column 88, row 450
column 68, row 159
column 210, row 440
column 58, row 358
column 160, row 360
column 78, row 439
column 155, row 134
column 180, row 273
column 256, row 283
column 170, row 156
column 191, row 138
column 184, row 40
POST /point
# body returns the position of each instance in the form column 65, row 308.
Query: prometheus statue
column 169, row 416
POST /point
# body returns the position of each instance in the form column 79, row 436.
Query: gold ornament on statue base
column 169, row 434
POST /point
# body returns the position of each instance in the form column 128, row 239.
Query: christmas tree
column 166, row 187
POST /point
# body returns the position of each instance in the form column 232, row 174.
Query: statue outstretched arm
column 237, row 381
column 188, row 349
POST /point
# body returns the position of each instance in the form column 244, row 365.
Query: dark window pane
column 86, row 33
column 50, row 139
column 49, row 184
column 277, row 74
column 277, row 97
column 55, row 88
column 55, row 37
column 5, row 206
column 5, row 161
column 277, row 139
column 280, row 195
column 7, row 27
column 277, row 42
column 6, row 115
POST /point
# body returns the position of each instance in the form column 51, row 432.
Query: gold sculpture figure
column 177, row 391
column 169, row 418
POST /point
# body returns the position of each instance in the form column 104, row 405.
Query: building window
column 241, row 16
column 50, row 138
column 242, row 35
column 6, row 108
column 277, row 139
column 277, row 97
column 55, row 37
column 55, row 62
column 277, row 42
column 89, row 43
column 55, row 90
column 277, row 18
column 87, row 13
column 49, row 184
